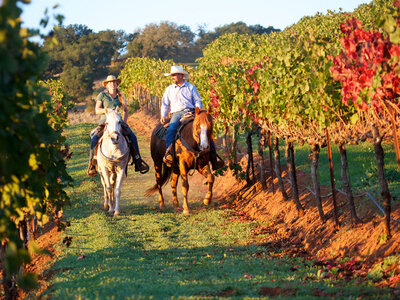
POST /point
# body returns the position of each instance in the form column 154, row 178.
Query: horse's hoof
column 106, row 207
column 186, row 212
column 207, row 201
column 163, row 207
column 116, row 213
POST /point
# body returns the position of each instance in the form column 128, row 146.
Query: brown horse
column 192, row 151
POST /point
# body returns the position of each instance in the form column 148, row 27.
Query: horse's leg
column 206, row 172
column 109, row 190
column 158, row 169
column 117, row 190
column 106, row 206
column 185, row 186
column 112, row 183
column 174, row 184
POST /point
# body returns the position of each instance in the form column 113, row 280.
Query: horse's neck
column 187, row 135
column 114, row 150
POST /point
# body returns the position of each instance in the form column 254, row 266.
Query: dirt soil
column 304, row 236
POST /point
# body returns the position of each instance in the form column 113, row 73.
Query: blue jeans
column 173, row 126
column 131, row 136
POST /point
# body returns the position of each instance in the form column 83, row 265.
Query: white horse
column 112, row 160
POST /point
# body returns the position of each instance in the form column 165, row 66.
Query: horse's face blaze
column 113, row 126
column 204, row 137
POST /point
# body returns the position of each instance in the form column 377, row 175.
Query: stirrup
column 141, row 166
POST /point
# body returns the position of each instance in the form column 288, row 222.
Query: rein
column 116, row 160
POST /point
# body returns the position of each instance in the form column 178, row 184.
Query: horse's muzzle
column 204, row 146
column 115, row 137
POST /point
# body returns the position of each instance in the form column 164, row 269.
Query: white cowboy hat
column 178, row 70
column 111, row 78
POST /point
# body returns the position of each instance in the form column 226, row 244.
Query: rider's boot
column 216, row 162
column 140, row 165
column 169, row 157
column 91, row 170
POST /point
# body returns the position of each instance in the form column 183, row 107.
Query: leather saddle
column 185, row 119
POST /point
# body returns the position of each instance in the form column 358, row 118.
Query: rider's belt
column 186, row 110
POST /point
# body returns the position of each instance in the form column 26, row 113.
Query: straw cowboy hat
column 111, row 78
column 178, row 70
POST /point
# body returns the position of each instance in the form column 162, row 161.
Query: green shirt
column 108, row 102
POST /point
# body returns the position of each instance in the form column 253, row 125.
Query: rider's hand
column 162, row 120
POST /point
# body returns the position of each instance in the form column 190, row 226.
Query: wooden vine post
column 250, row 162
column 314, row 176
column 290, row 160
column 386, row 196
column 335, row 210
column 271, row 161
column 346, row 183
column 278, row 169
column 261, row 144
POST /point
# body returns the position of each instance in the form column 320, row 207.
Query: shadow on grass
column 130, row 270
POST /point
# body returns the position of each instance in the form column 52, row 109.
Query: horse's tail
column 166, row 174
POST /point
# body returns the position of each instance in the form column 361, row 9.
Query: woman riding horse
column 112, row 158
column 113, row 98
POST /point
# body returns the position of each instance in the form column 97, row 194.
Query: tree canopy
column 80, row 55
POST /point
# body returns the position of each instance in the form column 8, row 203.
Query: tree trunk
column 261, row 144
column 250, row 163
column 289, row 152
column 278, row 169
column 314, row 177
column 346, row 184
column 386, row 196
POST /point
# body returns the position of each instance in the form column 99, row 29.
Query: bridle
column 116, row 160
column 195, row 152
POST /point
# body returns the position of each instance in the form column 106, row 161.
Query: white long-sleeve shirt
column 177, row 98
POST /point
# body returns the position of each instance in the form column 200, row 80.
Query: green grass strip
column 148, row 254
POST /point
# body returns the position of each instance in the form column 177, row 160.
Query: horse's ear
column 209, row 109
column 107, row 110
column 197, row 110
column 117, row 109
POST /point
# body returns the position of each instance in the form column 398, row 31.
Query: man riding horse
column 112, row 98
column 179, row 98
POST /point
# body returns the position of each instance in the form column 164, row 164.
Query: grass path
column 148, row 254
